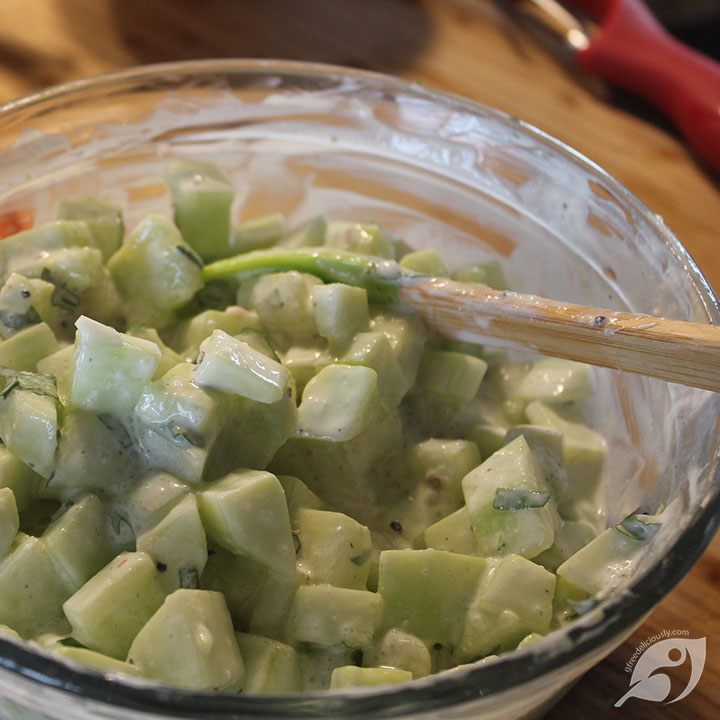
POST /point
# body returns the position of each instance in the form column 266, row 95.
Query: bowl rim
column 621, row 611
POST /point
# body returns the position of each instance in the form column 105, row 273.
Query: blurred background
column 477, row 48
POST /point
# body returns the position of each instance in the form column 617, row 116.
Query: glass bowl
column 438, row 171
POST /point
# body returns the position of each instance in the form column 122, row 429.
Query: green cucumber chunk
column 9, row 520
column 401, row 650
column 349, row 676
column 271, row 667
column 104, row 220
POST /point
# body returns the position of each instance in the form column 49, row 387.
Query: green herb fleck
column 71, row 642
column 296, row 541
column 637, row 529
column 191, row 255
column 362, row 558
column 519, row 499
column 38, row 383
column 189, row 578
column 19, row 321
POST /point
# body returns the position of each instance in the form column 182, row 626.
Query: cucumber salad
column 230, row 462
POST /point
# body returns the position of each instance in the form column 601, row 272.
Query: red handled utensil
column 631, row 49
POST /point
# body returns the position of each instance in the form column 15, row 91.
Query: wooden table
column 464, row 46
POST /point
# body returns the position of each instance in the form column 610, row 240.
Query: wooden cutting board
column 466, row 47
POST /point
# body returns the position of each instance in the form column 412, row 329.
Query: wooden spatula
column 673, row 350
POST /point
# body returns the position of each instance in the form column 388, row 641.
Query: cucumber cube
column 28, row 419
column 426, row 592
column 570, row 537
column 258, row 233
column 25, row 302
column 72, row 270
column 109, row 610
column 189, row 642
column 450, row 377
column 321, row 535
column 168, row 357
column 304, row 363
column 398, row 649
column 177, row 544
column 155, row 272
column 26, row 348
column 271, row 667
column 489, row 438
column 110, row 368
column 232, row 366
column 233, row 320
column 427, row 262
column 245, row 513
column 373, row 350
column 340, row 311
column 59, row 364
column 78, row 542
column 555, row 381
column 97, row 661
column 350, row 676
column 309, row 234
column 103, row 218
column 284, row 304
column 298, row 495
column 510, row 504
column 407, row 336
column 201, row 197
column 270, row 616
column 585, row 452
column 490, row 274
column 32, row 590
column 515, row 600
column 152, row 499
column 326, row 615
column 9, row 520
column 363, row 238
column 89, row 458
column 318, row 663
column 339, row 403
column 548, row 447
column 453, row 533
column 18, row 477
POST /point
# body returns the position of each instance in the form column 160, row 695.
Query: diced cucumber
column 110, row 368
column 9, row 520
column 304, row 363
column 510, row 504
column 355, row 476
column 340, row 311
column 25, row 302
column 72, row 270
column 605, row 562
column 201, row 197
column 232, row 366
column 364, row 238
column 168, row 357
column 453, row 533
column 271, row 667
column 102, row 301
column 97, row 661
column 283, row 302
column 318, row 663
column 555, row 381
column 373, row 350
column 233, row 320
column 585, row 452
column 259, row 341
column 548, row 447
column 17, row 476
column 78, row 542
column 245, row 512
column 104, row 220
column 398, row 649
column 490, row 274
column 436, row 468
column 177, row 544
column 570, row 536
column 31, row 590
column 155, row 271
column 350, row 676
column 109, row 610
column 407, row 336
column 258, row 233
column 426, row 592
column 89, row 458
column 26, row 348
column 28, row 418
column 427, row 262
column 321, row 535
column 298, row 495
column 326, row 615
column 239, row 579
column 152, row 499
column 271, row 615
column 339, row 403
column 309, row 234
column 489, row 438
column 189, row 642
column 530, row 639
column 60, row 365
column 449, row 377
column 515, row 600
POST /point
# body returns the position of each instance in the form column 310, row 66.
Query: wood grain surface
column 467, row 47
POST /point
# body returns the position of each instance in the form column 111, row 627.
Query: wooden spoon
column 673, row 350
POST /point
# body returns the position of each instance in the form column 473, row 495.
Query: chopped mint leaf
column 361, row 559
column 519, row 499
column 189, row 578
column 296, row 542
column 19, row 321
column 190, row 255
column 62, row 297
column 637, row 529
column 38, row 383
column 71, row 642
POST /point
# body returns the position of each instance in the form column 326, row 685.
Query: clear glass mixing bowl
column 439, row 171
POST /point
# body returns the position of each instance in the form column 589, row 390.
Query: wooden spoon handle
column 682, row 352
